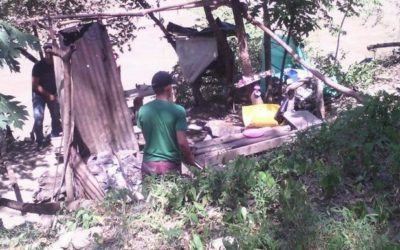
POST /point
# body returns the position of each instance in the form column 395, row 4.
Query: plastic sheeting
column 195, row 55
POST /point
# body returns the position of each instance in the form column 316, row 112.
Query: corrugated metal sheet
column 99, row 108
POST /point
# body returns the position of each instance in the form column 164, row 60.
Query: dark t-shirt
column 47, row 79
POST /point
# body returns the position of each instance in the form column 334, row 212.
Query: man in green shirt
column 164, row 126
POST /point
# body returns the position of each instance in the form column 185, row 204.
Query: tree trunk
column 244, row 54
column 320, row 99
column 198, row 97
column 339, row 36
column 225, row 51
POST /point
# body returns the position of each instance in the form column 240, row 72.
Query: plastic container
column 260, row 115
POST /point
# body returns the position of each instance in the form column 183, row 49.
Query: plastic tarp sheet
column 277, row 54
column 195, row 55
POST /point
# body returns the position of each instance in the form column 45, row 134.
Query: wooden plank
column 215, row 158
column 269, row 134
column 218, row 141
column 301, row 119
column 383, row 45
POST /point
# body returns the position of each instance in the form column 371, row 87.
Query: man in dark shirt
column 44, row 92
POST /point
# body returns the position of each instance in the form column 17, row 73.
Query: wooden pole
column 14, row 183
column 383, row 45
column 320, row 99
column 313, row 71
column 145, row 12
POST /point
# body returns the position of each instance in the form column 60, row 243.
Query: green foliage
column 10, row 40
column 197, row 243
column 25, row 236
column 84, row 218
column 12, row 113
column 362, row 75
column 359, row 75
column 351, row 232
column 123, row 28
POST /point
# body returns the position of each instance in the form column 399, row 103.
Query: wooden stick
column 50, row 208
column 14, row 183
column 383, row 45
column 315, row 72
column 188, row 5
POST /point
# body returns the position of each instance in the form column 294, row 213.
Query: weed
column 351, row 232
column 26, row 236
column 85, row 218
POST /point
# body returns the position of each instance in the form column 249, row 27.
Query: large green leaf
column 12, row 113
column 11, row 39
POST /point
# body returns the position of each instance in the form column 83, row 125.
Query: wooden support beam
column 188, row 5
column 320, row 99
column 383, row 45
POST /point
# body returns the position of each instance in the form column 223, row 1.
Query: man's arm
column 184, row 147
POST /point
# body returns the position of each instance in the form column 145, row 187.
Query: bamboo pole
column 188, row 5
column 313, row 71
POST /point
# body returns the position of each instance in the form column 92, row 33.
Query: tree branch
column 28, row 55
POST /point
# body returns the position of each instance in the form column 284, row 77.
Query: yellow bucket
column 260, row 115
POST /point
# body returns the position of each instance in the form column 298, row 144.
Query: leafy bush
column 357, row 75
column 361, row 74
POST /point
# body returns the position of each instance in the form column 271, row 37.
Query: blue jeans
column 39, row 104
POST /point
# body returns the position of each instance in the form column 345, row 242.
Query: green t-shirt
column 159, row 121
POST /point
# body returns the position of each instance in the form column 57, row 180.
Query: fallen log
column 50, row 208
column 383, row 45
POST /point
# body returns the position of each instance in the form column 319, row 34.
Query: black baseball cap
column 161, row 79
